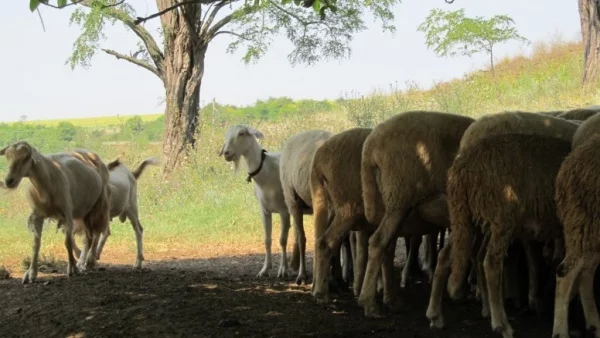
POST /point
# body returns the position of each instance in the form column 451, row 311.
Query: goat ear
column 256, row 133
column 222, row 149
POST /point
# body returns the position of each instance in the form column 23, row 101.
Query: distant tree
column 176, row 55
column 66, row 131
column 135, row 124
column 23, row 118
column 452, row 33
column 589, row 15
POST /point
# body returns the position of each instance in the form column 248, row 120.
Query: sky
column 36, row 82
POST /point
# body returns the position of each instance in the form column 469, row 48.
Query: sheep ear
column 3, row 151
column 256, row 133
column 222, row 149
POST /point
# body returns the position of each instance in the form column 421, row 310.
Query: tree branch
column 227, row 19
column 231, row 33
column 133, row 60
column 206, row 24
column 153, row 49
column 77, row 2
column 139, row 20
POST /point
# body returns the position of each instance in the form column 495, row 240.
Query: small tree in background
column 452, row 33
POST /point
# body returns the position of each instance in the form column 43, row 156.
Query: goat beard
column 236, row 164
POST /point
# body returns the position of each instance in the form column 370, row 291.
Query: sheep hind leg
column 440, row 276
column 390, row 292
column 301, row 240
column 494, row 269
column 430, row 260
column 481, row 281
column 268, row 225
column 283, row 238
column 586, row 294
column 385, row 233
column 533, row 272
column 325, row 246
column 412, row 259
column 362, row 247
column 35, row 224
column 568, row 275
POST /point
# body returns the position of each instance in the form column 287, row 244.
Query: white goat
column 240, row 141
column 123, row 203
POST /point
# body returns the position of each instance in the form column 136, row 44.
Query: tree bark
column 589, row 15
column 182, row 109
column 185, row 50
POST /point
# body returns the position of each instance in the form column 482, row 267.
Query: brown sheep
column 577, row 200
column 580, row 114
column 506, row 184
column 586, row 130
column 404, row 166
column 336, row 189
column 296, row 156
column 518, row 122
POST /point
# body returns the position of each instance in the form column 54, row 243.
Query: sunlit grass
column 204, row 210
column 97, row 122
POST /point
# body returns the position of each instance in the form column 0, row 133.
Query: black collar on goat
column 262, row 159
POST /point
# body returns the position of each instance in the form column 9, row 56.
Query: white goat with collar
column 263, row 168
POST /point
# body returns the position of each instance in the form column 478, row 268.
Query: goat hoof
column 485, row 312
column 282, row 273
column 263, row 273
column 436, row 322
column 29, row 277
column 301, row 278
column 370, row 307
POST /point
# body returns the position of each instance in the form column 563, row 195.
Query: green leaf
column 61, row 3
column 317, row 5
column 33, row 4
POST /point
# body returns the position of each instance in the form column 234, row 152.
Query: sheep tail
column 319, row 202
column 370, row 189
column 140, row 169
column 460, row 225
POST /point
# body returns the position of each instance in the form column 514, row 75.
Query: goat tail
column 370, row 189
column 113, row 164
column 140, row 169
column 460, row 225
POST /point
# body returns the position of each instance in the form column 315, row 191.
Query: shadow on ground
column 219, row 297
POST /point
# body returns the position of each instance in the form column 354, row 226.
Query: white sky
column 37, row 82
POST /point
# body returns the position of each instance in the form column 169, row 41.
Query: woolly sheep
column 506, row 182
column 336, row 189
column 518, row 122
column 404, row 165
column 577, row 200
column 240, row 142
column 296, row 155
column 580, row 114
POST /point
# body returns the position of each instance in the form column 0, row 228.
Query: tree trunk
column 590, row 29
column 184, row 68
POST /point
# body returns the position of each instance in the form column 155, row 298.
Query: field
column 92, row 122
column 203, row 238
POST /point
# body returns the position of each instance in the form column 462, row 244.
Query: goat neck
column 253, row 159
column 41, row 176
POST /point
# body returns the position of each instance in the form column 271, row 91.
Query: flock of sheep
column 505, row 179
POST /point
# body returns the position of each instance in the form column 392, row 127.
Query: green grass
column 204, row 210
column 97, row 122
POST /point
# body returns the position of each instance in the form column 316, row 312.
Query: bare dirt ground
column 218, row 297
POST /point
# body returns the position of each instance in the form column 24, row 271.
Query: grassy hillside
column 204, row 210
column 94, row 122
